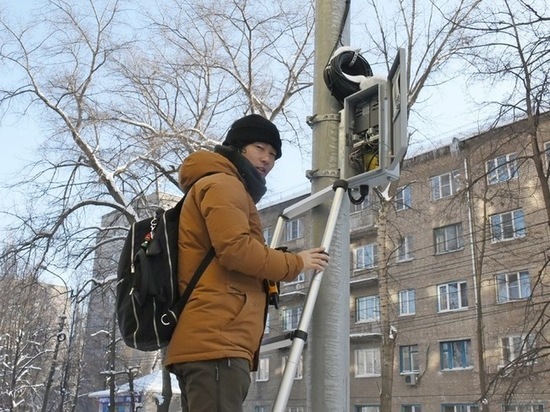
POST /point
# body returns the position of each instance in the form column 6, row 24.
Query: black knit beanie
column 253, row 128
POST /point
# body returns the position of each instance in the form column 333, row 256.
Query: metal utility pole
column 328, row 344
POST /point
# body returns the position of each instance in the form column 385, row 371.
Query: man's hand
column 316, row 258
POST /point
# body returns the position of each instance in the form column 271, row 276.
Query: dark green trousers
column 219, row 385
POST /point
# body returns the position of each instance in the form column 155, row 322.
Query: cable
column 344, row 72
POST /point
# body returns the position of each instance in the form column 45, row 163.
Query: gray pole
column 328, row 343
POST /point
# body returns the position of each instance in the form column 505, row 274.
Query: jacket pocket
column 245, row 329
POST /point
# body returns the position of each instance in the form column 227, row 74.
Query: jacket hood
column 204, row 163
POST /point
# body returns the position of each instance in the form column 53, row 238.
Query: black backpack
column 147, row 302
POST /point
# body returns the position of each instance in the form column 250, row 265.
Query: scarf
column 253, row 180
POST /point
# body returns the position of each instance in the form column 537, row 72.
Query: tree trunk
column 388, row 335
column 164, row 404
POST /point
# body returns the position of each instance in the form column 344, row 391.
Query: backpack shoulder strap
column 180, row 304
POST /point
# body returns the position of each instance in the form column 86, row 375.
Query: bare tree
column 432, row 34
column 31, row 327
column 124, row 96
column 511, row 58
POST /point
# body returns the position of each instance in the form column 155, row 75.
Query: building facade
column 468, row 285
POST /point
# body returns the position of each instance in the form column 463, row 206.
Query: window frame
column 356, row 208
column 262, row 374
column 405, row 301
column 437, row 187
column 403, row 198
column 366, row 408
column 301, row 278
column 299, row 374
column 362, row 254
column 448, row 351
column 295, row 409
column 501, row 169
column 461, row 290
column 500, row 231
column 520, row 407
column 291, row 315
column 372, row 366
column 462, row 407
column 404, row 249
column 515, row 351
column 267, row 233
column 442, row 233
column 267, row 327
column 372, row 307
column 523, row 287
column 547, row 154
column 411, row 408
column 294, row 229
column 408, row 354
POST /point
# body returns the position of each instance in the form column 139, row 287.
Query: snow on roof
column 151, row 383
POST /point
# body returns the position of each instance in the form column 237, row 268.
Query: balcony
column 362, row 222
column 364, row 277
column 365, row 330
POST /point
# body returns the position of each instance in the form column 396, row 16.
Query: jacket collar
column 253, row 180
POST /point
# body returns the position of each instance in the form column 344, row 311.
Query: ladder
column 299, row 336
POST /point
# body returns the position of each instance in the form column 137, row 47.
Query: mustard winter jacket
column 225, row 315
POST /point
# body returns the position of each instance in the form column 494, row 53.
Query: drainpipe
column 476, row 276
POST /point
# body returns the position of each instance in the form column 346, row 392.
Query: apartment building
column 468, row 284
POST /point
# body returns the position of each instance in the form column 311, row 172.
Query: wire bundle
column 344, row 73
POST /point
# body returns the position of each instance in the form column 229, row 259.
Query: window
column 294, row 229
column 366, row 257
column 299, row 367
column 411, row 408
column 367, row 309
column 403, row 198
column 408, row 359
column 455, row 354
column 407, row 302
column 513, row 347
column 513, row 286
column 260, row 408
column 547, row 153
column 459, row 408
column 448, row 238
column 366, row 408
column 262, row 374
column 361, row 206
column 300, row 278
column 291, row 317
column 267, row 328
column 295, row 409
column 452, row 296
column 444, row 185
column 268, row 235
column 510, row 225
column 501, row 169
column 367, row 362
column 523, row 408
column 404, row 250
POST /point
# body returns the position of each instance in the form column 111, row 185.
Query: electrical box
column 373, row 128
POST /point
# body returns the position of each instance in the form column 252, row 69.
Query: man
column 217, row 339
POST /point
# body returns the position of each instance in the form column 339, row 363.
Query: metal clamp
column 313, row 174
column 312, row 120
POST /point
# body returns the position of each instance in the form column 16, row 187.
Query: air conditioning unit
column 411, row 379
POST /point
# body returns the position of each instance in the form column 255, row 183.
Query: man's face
column 261, row 155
